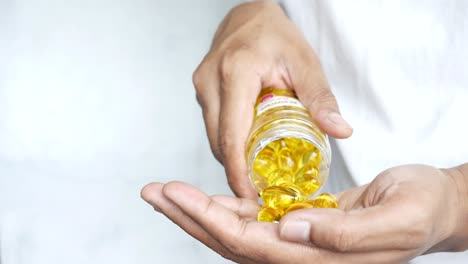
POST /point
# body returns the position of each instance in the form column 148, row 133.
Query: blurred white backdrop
column 96, row 100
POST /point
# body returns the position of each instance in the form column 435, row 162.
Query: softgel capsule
column 287, row 155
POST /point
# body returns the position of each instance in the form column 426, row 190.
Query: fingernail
column 338, row 120
column 296, row 231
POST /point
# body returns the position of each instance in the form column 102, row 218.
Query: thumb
column 374, row 228
column 313, row 91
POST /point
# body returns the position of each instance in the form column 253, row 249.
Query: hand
column 406, row 211
column 256, row 46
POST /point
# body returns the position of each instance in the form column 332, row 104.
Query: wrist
column 459, row 236
column 246, row 16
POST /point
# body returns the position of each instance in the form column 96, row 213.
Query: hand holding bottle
column 256, row 46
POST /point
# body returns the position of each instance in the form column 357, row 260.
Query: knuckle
column 234, row 60
column 196, row 76
column 203, row 73
column 199, row 93
column 208, row 206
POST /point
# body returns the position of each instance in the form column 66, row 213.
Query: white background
column 96, row 100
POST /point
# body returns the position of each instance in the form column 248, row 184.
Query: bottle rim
column 291, row 130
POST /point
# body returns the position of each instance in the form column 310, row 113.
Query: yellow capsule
column 306, row 180
column 299, row 206
column 326, row 200
column 283, row 144
column 294, row 143
column 300, row 149
column 274, row 145
column 269, row 148
column 310, row 202
column 293, row 188
column 286, row 160
column 280, row 196
column 280, row 177
column 265, row 162
column 259, row 182
column 268, row 214
column 312, row 157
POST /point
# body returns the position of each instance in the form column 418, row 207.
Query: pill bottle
column 288, row 157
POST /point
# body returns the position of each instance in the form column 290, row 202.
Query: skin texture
column 405, row 212
column 257, row 46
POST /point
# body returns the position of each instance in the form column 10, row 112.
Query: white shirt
column 399, row 72
column 398, row 69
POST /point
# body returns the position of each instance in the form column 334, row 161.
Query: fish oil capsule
column 294, row 143
column 268, row 214
column 299, row 148
column 265, row 162
column 312, row 157
column 283, row 144
column 275, row 146
column 326, row 200
column 282, row 140
column 299, row 206
column 286, row 160
column 306, row 180
column 311, row 202
column 280, row 196
column 280, row 177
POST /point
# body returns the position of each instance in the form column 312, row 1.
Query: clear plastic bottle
column 288, row 156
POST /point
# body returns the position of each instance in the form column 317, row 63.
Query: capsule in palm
column 269, row 214
column 326, row 200
column 280, row 196
column 299, row 206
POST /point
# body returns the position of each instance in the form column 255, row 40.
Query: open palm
column 398, row 216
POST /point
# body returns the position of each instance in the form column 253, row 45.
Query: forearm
column 460, row 176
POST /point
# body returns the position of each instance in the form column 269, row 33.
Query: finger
column 239, row 91
column 152, row 194
column 257, row 241
column 206, row 85
column 313, row 91
column 351, row 199
column 369, row 229
column 245, row 208
column 255, row 245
